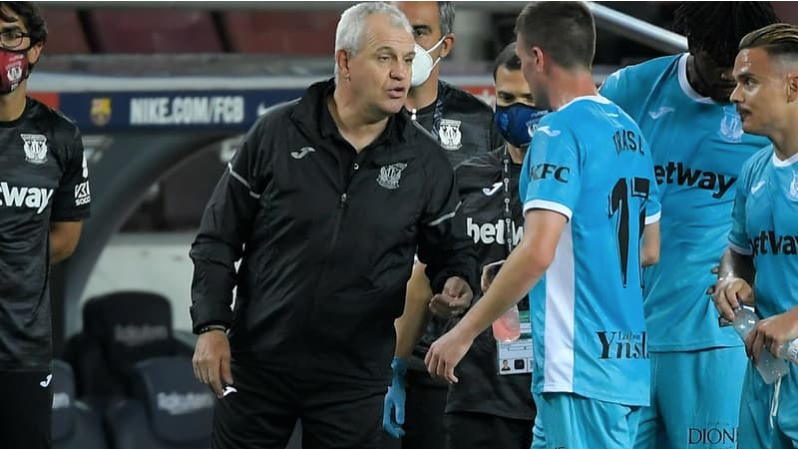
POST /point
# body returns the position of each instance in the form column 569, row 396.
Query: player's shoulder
column 477, row 172
column 458, row 100
column 646, row 72
column 758, row 161
column 46, row 117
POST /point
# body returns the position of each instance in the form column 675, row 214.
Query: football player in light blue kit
column 589, row 189
column 682, row 104
column 764, row 233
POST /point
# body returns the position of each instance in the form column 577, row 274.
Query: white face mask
column 423, row 64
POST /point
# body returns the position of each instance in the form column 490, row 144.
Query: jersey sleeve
column 653, row 204
column 72, row 200
column 738, row 237
column 552, row 170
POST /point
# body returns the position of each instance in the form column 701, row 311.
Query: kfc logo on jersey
column 35, row 146
column 27, row 197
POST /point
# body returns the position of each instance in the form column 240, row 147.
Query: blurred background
column 162, row 92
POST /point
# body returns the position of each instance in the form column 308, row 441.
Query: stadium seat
column 153, row 31
column 65, row 34
column 75, row 424
column 290, row 33
column 119, row 330
column 169, row 409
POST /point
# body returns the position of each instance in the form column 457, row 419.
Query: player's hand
column 212, row 361
column 728, row 295
column 771, row 333
column 446, row 353
column 715, row 270
column 454, row 300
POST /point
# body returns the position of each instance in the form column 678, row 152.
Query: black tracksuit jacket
column 326, row 238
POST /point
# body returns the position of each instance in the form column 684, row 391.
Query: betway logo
column 490, row 233
column 769, row 243
column 623, row 345
column 175, row 403
column 714, row 182
column 29, row 197
column 133, row 335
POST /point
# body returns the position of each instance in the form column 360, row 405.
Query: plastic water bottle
column 769, row 367
column 507, row 327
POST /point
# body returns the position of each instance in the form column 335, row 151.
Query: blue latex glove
column 395, row 400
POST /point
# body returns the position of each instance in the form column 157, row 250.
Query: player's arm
column 64, row 237
column 649, row 252
column 736, row 273
column 71, row 203
column 521, row 271
column 410, row 326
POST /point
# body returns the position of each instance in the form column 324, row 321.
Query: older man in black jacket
column 326, row 204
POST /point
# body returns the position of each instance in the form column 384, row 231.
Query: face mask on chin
column 423, row 64
column 517, row 123
column 14, row 68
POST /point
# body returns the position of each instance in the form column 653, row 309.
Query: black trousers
column 425, row 405
column 483, row 431
column 27, row 409
column 264, row 409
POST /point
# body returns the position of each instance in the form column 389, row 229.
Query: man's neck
column 424, row 95
column 516, row 154
column 696, row 81
column 12, row 106
column 357, row 128
column 785, row 142
column 569, row 85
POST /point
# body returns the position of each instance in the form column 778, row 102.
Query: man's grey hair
column 349, row 33
column 446, row 12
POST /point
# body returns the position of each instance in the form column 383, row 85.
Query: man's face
column 426, row 21
column 719, row 80
column 511, row 88
column 14, row 36
column 532, row 72
column 761, row 94
column 380, row 72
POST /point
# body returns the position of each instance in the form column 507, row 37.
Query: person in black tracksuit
column 325, row 203
column 486, row 410
column 44, row 196
column 463, row 126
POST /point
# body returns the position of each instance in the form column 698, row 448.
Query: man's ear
column 342, row 63
column 540, row 59
column 447, row 45
column 792, row 87
column 34, row 52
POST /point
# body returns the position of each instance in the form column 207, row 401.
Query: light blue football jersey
column 765, row 226
column 698, row 147
column 590, row 162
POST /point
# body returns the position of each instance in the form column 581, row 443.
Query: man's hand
column 454, row 300
column 395, row 400
column 729, row 293
column 446, row 353
column 772, row 333
column 212, row 361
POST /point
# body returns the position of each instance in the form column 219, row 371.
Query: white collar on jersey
column 685, row 85
column 786, row 162
column 596, row 98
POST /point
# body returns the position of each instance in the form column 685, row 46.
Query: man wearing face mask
column 682, row 105
column 44, row 196
column 463, row 126
column 487, row 409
